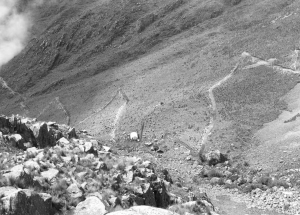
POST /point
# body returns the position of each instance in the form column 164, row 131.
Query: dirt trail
column 121, row 111
column 119, row 92
column 271, row 63
column 255, row 63
column 4, row 85
column 59, row 106
column 209, row 128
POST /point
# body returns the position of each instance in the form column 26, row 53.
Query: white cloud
column 13, row 30
column 14, row 26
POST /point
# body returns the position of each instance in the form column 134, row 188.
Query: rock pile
column 24, row 133
column 59, row 172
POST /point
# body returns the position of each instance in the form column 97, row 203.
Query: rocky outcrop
column 162, row 197
column 80, row 174
column 19, row 176
column 72, row 133
column 24, row 133
column 45, row 136
column 25, row 202
column 16, row 140
column 215, row 157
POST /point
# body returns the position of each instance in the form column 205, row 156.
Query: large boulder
column 4, row 122
column 44, row 135
column 91, row 206
column 17, row 140
column 215, row 157
column 89, row 148
column 63, row 141
column 19, row 176
column 50, row 174
column 32, row 166
column 26, row 133
column 5, row 194
column 33, row 151
column 74, row 191
column 162, row 197
column 143, row 210
column 27, row 202
column 72, row 133
column 148, row 195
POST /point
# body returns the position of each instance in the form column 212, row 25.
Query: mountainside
column 187, row 75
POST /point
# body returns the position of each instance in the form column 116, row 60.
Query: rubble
column 88, row 180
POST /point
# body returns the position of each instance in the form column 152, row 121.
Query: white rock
column 134, row 136
column 63, row 141
column 88, row 146
column 106, row 148
column 33, row 151
column 66, row 160
column 50, row 174
column 148, row 144
column 91, row 206
column 32, row 165
column 51, row 123
column 81, row 147
column 74, row 191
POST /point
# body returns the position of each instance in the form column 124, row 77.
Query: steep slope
column 165, row 56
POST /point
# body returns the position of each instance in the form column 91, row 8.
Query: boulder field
column 47, row 168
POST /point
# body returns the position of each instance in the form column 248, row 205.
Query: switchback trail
column 255, row 63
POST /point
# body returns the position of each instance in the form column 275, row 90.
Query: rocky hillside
column 195, row 79
column 61, row 171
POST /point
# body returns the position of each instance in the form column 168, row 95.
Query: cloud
column 15, row 23
column 13, row 30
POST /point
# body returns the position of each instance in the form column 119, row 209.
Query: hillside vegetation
column 189, row 76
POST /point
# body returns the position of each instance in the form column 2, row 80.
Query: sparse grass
column 231, row 186
column 279, row 183
column 265, row 180
column 249, row 187
column 198, row 208
column 214, row 173
column 234, row 170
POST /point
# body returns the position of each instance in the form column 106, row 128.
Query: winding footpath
column 255, row 62
column 209, row 128
column 230, row 201
column 4, row 85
